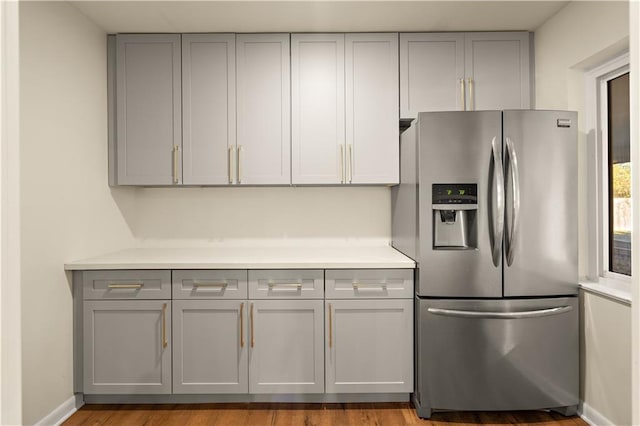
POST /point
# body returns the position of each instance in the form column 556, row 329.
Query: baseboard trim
column 63, row 411
column 592, row 416
column 207, row 398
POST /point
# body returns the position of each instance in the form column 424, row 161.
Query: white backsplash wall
column 255, row 215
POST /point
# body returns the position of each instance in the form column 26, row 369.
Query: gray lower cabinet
column 127, row 346
column 369, row 330
column 237, row 332
column 210, row 346
column 286, row 346
column 369, row 346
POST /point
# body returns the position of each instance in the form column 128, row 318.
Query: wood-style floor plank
column 282, row 414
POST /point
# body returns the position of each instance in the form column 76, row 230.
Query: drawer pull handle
column 330, row 328
column 164, row 325
column 242, row 325
column 286, row 285
column 360, row 286
column 210, row 284
column 251, row 325
column 120, row 286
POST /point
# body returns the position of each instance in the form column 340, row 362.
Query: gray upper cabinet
column 497, row 69
column 263, row 109
column 208, row 108
column 372, row 110
column 148, row 104
column 317, row 109
column 464, row 71
column 431, row 73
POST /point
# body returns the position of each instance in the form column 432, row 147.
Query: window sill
column 612, row 288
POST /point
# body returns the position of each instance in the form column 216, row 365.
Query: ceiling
column 317, row 16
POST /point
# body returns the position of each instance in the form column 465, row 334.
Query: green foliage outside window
column 622, row 180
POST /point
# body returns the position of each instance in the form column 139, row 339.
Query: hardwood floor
column 386, row 414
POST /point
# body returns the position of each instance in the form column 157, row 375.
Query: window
column 609, row 174
column 619, row 174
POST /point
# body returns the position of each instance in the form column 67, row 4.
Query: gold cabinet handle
column 472, row 104
column 462, row 97
column 239, row 168
column 230, row 164
column 251, row 325
column 210, row 284
column 341, row 163
column 330, row 327
column 176, row 148
column 164, row 325
column 350, row 163
column 359, row 286
column 286, row 285
column 132, row 285
column 242, row 325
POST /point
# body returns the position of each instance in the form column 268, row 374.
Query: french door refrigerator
column 487, row 207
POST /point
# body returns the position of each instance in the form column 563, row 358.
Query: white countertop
column 352, row 257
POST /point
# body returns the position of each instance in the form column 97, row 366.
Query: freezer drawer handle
column 500, row 315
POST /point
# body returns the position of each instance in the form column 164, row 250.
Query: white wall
column 67, row 209
column 170, row 216
column 579, row 37
column 634, row 25
column 10, row 348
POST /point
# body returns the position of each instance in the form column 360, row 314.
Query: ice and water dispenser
column 455, row 208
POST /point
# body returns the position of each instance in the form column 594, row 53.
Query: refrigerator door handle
column 515, row 201
column 500, row 315
column 499, row 223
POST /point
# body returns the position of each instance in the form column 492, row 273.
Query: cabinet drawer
column 127, row 284
column 369, row 283
column 209, row 284
column 286, row 284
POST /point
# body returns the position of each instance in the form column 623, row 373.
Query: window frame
column 598, row 172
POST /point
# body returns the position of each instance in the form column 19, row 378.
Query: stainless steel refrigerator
column 487, row 207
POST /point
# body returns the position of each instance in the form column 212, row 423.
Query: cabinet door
column 497, row 68
column 208, row 108
column 317, row 99
column 127, row 347
column 286, row 346
column 263, row 109
column 148, row 109
column 431, row 73
column 369, row 346
column 372, row 132
column 210, row 346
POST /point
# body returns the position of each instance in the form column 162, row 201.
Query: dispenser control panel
column 454, row 193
